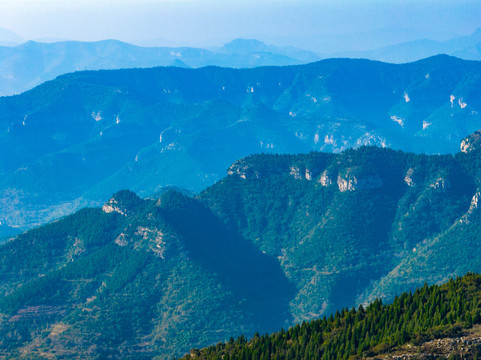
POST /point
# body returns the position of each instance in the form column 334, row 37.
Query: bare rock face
column 327, row 178
column 466, row 346
column 353, row 183
column 124, row 202
column 303, row 171
column 471, row 143
column 240, row 168
column 408, row 179
column 113, row 206
column 298, row 173
column 152, row 239
column 472, row 208
column 308, row 175
column 295, row 172
column 441, row 184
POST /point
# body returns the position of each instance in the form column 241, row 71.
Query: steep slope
column 430, row 313
column 448, row 253
column 137, row 279
column 75, row 140
column 281, row 239
column 338, row 223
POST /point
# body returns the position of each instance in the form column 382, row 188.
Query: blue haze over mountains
column 281, row 239
column 267, row 185
column 25, row 65
column 75, row 140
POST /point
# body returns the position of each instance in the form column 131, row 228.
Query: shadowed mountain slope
column 281, row 239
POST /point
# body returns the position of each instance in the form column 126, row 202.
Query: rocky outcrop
column 124, row 203
column 149, row 238
column 471, row 143
column 308, row 174
column 408, row 179
column 255, row 168
column 441, row 184
column 122, row 240
column 308, row 168
column 472, row 208
column 243, row 169
column 467, row 346
column 353, row 183
column 300, row 173
column 113, row 206
column 295, row 172
column 327, row 178
column 239, row 168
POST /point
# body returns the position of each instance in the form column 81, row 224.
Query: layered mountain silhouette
column 280, row 240
column 465, row 47
column 73, row 141
column 24, row 66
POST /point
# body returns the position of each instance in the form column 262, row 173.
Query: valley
column 240, row 180
column 73, row 141
column 282, row 239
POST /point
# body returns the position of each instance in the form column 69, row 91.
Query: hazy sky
column 305, row 23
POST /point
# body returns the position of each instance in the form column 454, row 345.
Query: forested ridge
column 281, row 240
column 428, row 313
column 73, row 141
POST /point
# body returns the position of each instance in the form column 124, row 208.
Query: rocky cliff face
column 353, row 183
column 301, row 167
column 351, row 180
column 327, row 178
column 472, row 208
column 471, row 142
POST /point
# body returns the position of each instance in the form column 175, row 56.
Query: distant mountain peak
column 245, row 45
column 8, row 37
column 477, row 32
column 180, row 63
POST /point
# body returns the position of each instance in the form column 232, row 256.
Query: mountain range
column 9, row 38
column 465, row 47
column 24, row 66
column 73, row 141
column 280, row 240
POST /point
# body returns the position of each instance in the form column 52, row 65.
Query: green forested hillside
column 150, row 283
column 340, row 225
column 429, row 313
column 280, row 240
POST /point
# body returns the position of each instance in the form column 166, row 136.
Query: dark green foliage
column 283, row 239
column 333, row 243
column 148, row 278
column 431, row 312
